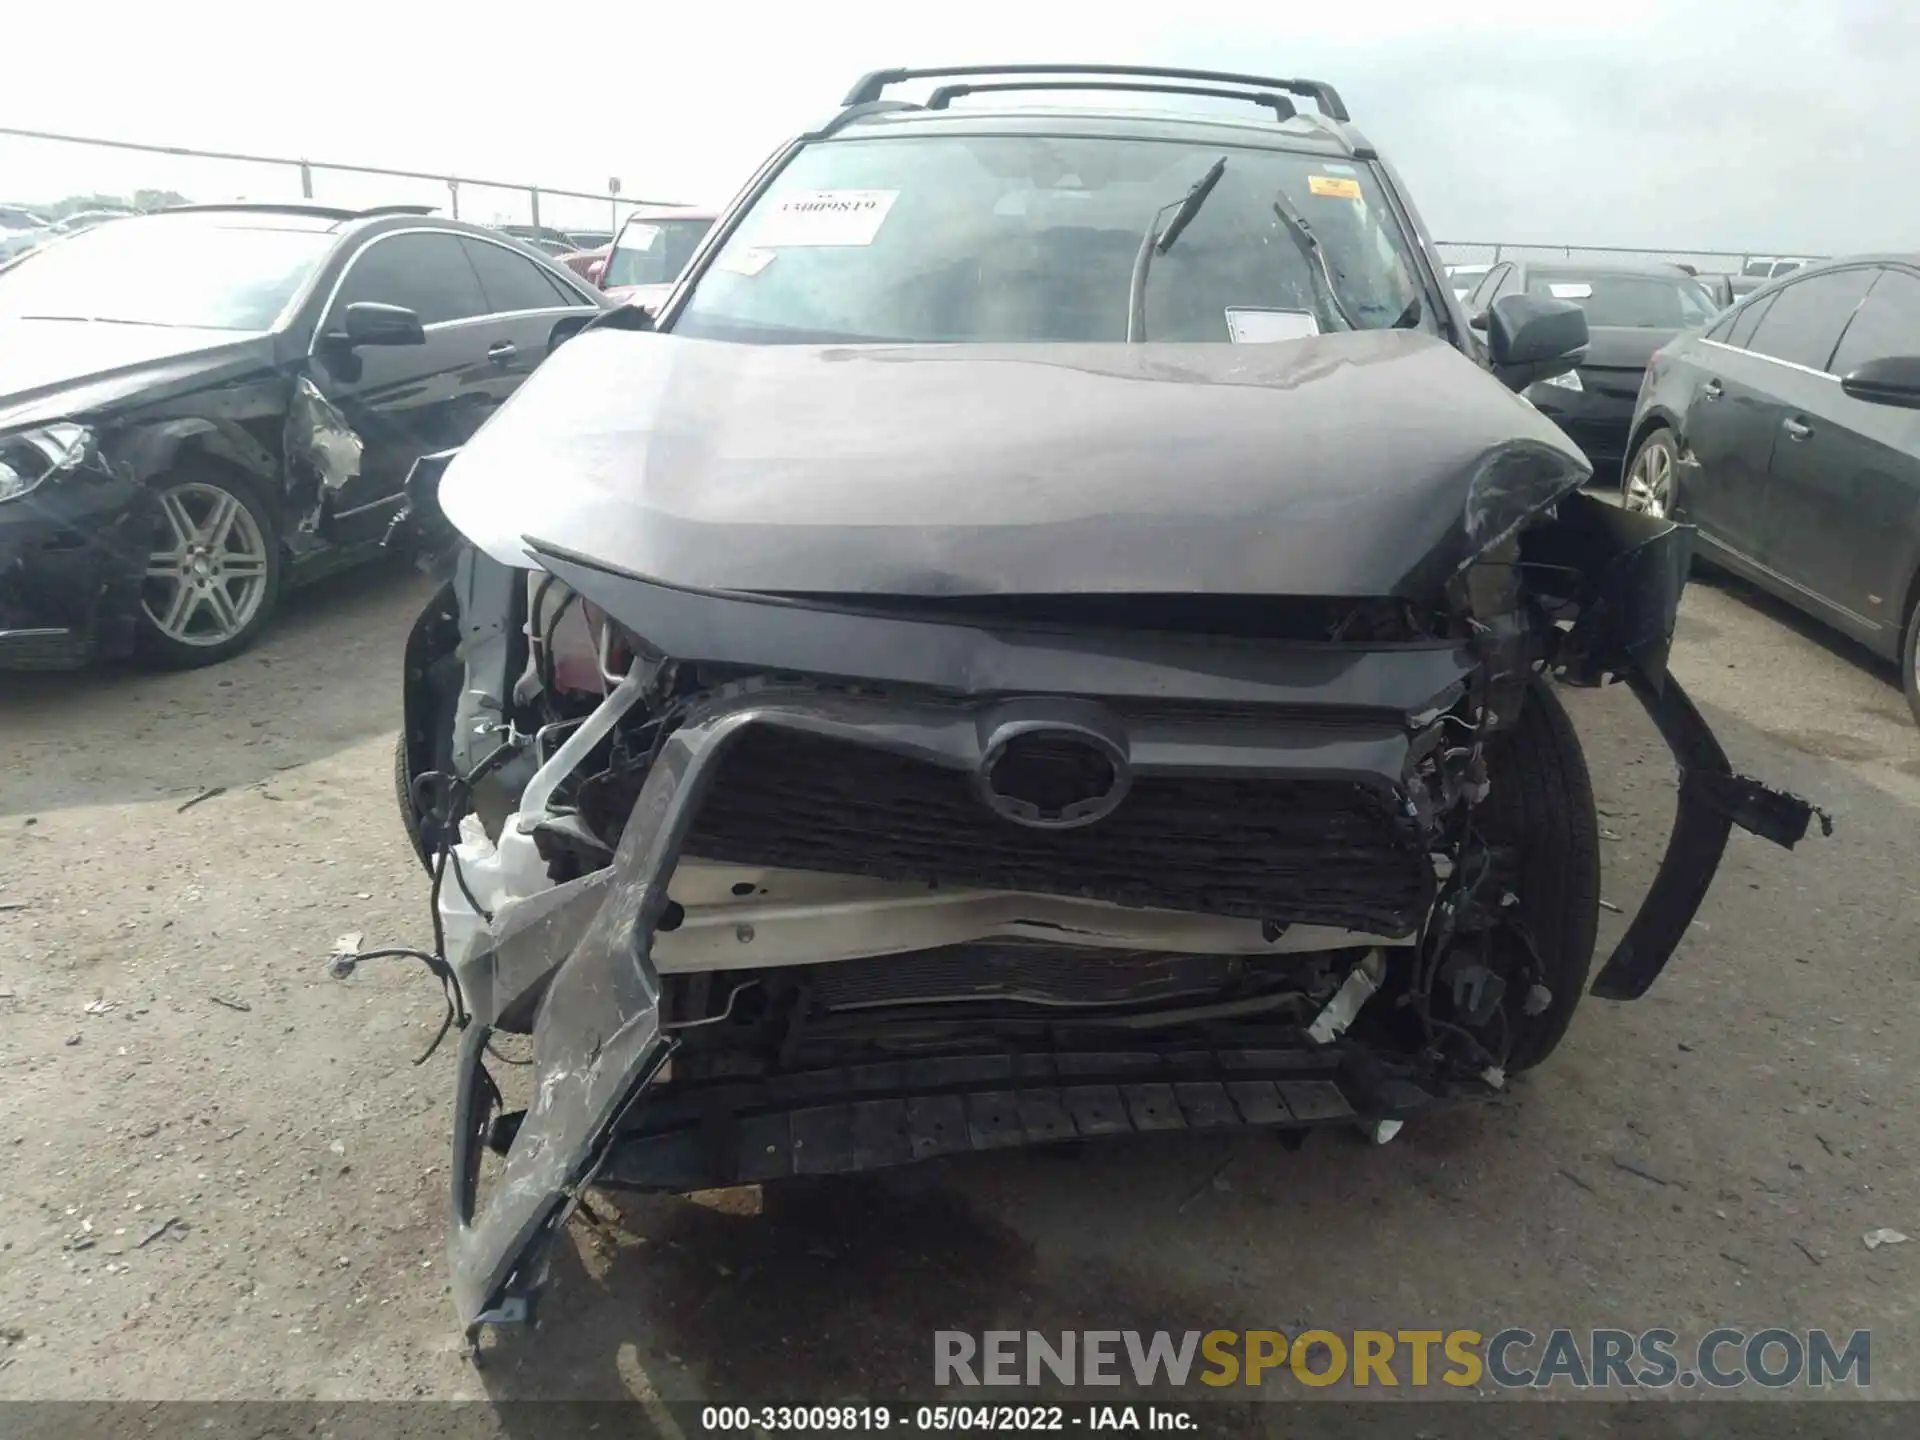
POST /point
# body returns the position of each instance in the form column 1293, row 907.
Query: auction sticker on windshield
column 825, row 217
column 1334, row 187
column 745, row 262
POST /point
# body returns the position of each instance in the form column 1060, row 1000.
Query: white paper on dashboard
column 1250, row 325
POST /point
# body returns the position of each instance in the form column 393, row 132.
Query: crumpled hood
column 1356, row 464
column 55, row 369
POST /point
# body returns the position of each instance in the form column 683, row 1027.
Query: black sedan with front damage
column 1050, row 636
column 201, row 407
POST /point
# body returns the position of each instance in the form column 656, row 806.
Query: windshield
column 1033, row 238
column 1631, row 302
column 653, row 252
column 174, row 271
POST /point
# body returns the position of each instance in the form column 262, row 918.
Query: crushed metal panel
column 319, row 434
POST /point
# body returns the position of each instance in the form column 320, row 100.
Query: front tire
column 1910, row 661
column 1540, row 804
column 213, row 576
column 1650, row 485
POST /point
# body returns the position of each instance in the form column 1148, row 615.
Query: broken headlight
column 28, row 458
column 1511, row 486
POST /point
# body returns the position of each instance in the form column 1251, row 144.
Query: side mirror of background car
column 1894, row 380
column 596, row 270
column 1531, row 338
column 368, row 323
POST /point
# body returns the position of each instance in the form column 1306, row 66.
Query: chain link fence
column 1715, row 262
column 42, row 169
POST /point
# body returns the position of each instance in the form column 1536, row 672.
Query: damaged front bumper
column 73, row 556
column 576, row 964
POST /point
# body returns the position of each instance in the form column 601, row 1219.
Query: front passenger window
column 1807, row 317
column 1887, row 323
column 511, row 281
column 425, row 271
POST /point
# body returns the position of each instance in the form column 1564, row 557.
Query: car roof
column 1613, row 269
column 311, row 217
column 1906, row 257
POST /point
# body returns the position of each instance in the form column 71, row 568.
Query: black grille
column 1323, row 852
column 1040, row 974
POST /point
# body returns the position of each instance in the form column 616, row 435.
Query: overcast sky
column 1738, row 124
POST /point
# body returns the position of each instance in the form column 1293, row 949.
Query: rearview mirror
column 1531, row 338
column 1894, row 380
column 368, row 323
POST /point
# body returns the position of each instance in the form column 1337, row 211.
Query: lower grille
column 1321, row 852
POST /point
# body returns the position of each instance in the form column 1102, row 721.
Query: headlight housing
column 29, row 458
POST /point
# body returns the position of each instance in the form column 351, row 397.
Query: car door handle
column 502, row 351
column 1797, row 429
column 1713, row 391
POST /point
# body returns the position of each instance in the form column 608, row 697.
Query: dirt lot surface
column 220, row 1176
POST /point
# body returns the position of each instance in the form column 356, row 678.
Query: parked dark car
column 1789, row 434
column 1631, row 312
column 1730, row 289
column 1051, row 630
column 200, row 407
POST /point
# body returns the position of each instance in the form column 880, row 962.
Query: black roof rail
column 296, row 207
column 848, row 114
column 1281, row 106
column 868, row 88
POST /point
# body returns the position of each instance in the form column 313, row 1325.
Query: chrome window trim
column 319, row 324
column 1771, row 359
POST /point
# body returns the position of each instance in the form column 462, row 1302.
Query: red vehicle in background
column 648, row 253
column 583, row 262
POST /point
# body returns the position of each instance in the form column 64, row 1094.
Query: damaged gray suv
column 1052, row 633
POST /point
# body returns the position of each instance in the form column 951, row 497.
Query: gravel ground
column 220, row 1176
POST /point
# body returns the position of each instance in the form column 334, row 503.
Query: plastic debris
column 1876, row 1238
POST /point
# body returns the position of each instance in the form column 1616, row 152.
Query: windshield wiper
column 1161, row 241
column 1320, row 277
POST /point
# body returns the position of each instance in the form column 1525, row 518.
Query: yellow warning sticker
column 1334, row 187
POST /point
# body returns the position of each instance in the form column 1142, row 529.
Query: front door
column 1844, row 487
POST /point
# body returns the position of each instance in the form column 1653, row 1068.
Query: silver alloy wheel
column 1650, row 482
column 207, row 575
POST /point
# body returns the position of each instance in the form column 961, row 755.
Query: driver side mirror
column 366, row 322
column 1894, row 380
column 1531, row 338
column 596, row 270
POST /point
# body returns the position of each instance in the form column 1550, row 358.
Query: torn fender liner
column 1636, row 568
column 1712, row 801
